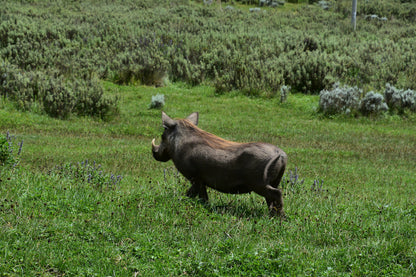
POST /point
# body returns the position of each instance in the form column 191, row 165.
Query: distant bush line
column 350, row 100
column 52, row 54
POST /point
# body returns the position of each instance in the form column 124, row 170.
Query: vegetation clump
column 346, row 99
column 57, row 95
column 373, row 104
column 341, row 99
column 399, row 99
column 230, row 49
column 158, row 101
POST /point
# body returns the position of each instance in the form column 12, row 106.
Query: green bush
column 146, row 65
column 58, row 96
column 91, row 101
column 17, row 86
column 310, row 73
column 256, row 53
column 384, row 8
column 58, row 99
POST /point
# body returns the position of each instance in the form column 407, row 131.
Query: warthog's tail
column 272, row 174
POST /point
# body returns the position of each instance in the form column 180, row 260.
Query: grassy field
column 85, row 196
column 57, row 221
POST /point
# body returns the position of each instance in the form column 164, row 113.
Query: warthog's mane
column 210, row 139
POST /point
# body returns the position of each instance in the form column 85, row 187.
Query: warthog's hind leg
column 274, row 199
column 198, row 190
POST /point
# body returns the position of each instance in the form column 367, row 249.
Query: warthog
column 230, row 167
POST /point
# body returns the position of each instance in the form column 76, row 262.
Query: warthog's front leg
column 197, row 189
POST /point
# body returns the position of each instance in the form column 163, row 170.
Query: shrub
column 91, row 101
column 373, row 104
column 58, row 98
column 399, row 100
column 158, row 101
column 309, row 71
column 255, row 53
column 385, row 8
column 61, row 98
column 346, row 100
column 147, row 66
column 17, row 86
column 339, row 100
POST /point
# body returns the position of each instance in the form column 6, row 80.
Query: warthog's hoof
column 275, row 211
column 191, row 193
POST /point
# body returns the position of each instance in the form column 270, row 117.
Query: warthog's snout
column 159, row 153
column 154, row 146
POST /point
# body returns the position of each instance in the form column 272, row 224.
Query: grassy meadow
column 360, row 222
column 83, row 196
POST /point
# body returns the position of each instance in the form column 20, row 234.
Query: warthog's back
column 236, row 168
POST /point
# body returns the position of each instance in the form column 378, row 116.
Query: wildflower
column 20, row 148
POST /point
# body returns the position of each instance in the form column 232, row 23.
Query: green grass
column 361, row 223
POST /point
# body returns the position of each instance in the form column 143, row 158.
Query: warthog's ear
column 193, row 117
column 167, row 121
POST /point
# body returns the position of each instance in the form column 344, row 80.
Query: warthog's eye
column 169, row 127
column 169, row 124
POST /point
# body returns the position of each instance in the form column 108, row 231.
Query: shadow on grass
column 236, row 208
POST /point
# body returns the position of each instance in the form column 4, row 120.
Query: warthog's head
column 172, row 130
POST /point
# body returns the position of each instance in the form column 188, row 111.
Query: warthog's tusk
column 153, row 144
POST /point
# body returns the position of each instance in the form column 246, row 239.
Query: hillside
column 81, row 195
column 53, row 52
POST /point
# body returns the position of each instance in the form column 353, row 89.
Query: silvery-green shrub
column 409, row 99
column 339, row 100
column 400, row 99
column 373, row 103
column 158, row 101
column 391, row 94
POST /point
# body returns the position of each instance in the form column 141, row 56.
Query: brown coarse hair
column 210, row 139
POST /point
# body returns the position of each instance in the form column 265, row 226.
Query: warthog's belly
column 233, row 189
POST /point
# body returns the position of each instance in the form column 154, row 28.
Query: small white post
column 354, row 14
